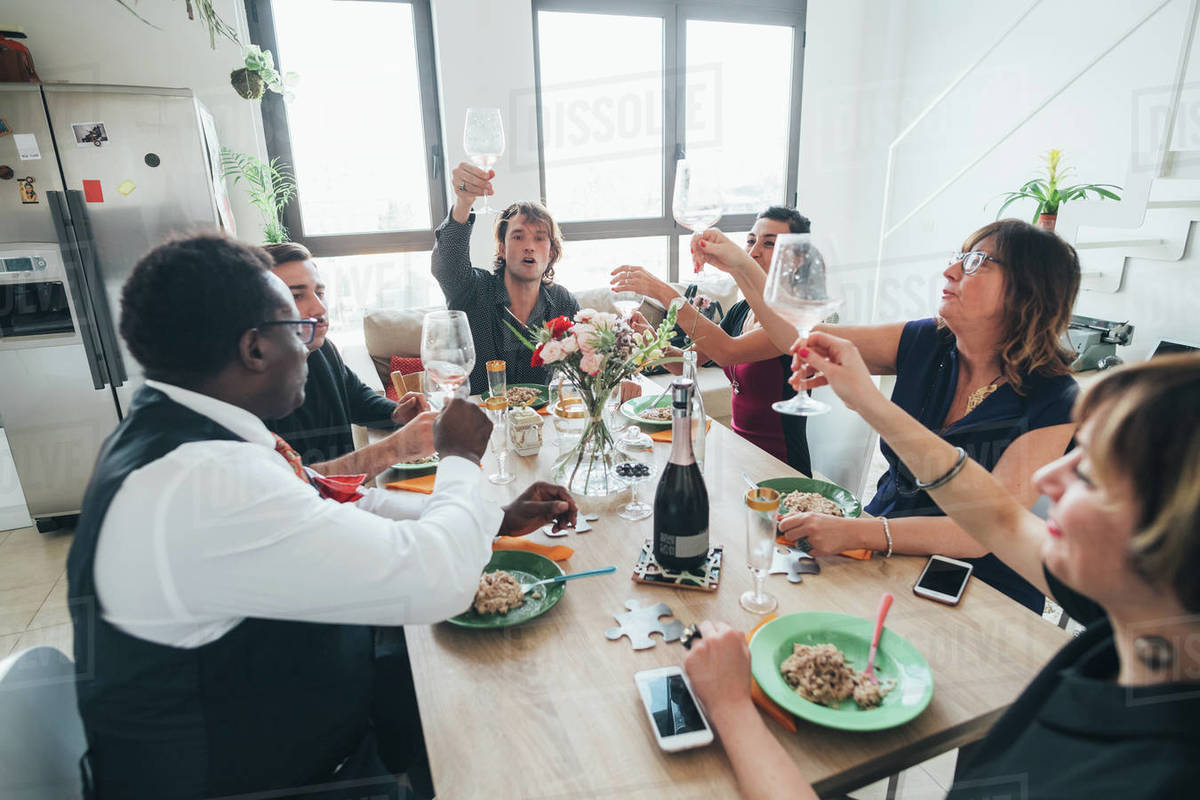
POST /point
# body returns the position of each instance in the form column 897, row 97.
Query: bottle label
column 689, row 546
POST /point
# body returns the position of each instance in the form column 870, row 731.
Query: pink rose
column 569, row 345
column 583, row 334
column 585, row 314
column 590, row 363
column 553, row 351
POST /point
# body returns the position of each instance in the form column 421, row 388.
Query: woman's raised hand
column 630, row 278
column 841, row 367
column 713, row 247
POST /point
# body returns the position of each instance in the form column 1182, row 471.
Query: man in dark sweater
column 517, row 292
column 319, row 430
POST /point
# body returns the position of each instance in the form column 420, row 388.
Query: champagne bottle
column 681, row 502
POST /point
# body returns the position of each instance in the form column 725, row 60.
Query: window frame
column 675, row 15
column 261, row 23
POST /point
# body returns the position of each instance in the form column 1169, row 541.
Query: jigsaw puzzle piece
column 641, row 621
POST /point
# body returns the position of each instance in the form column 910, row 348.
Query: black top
column 755, row 400
column 483, row 295
column 334, row 397
column 1074, row 732
column 926, row 379
column 272, row 706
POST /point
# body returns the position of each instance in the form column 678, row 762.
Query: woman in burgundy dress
column 756, row 368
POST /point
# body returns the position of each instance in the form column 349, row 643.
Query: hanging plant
column 208, row 15
column 260, row 74
column 269, row 186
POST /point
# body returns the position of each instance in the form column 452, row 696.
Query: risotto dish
column 819, row 673
column 793, row 502
column 498, row 593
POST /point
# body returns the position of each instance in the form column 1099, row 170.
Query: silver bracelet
column 887, row 531
column 949, row 474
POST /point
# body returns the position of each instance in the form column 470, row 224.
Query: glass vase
column 589, row 467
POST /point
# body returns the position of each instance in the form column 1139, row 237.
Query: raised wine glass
column 798, row 290
column 483, row 141
column 448, row 353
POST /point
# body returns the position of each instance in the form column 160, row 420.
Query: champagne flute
column 483, row 141
column 696, row 202
column 798, row 290
column 448, row 353
column 498, row 411
column 762, row 513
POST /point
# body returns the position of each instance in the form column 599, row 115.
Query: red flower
column 536, row 360
column 559, row 326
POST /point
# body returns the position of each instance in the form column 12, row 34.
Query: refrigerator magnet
column 27, row 188
column 92, row 192
column 6, row 172
column 5, row 130
column 89, row 134
column 27, row 146
column 126, row 187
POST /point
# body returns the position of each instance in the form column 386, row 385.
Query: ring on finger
column 462, row 187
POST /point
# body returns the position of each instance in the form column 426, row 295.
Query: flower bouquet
column 595, row 351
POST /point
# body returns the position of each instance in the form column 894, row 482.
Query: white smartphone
column 943, row 579
column 675, row 715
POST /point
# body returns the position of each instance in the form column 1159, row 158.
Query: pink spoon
column 885, row 604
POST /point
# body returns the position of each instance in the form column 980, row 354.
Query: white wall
column 100, row 42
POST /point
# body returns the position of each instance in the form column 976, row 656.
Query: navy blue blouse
column 926, row 378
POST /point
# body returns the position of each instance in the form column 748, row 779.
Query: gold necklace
column 979, row 395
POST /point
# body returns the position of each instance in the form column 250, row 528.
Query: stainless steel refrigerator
column 91, row 177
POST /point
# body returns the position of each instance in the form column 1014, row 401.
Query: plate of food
column 498, row 602
column 655, row 412
column 811, row 664
column 534, row 395
column 419, row 466
column 810, row 494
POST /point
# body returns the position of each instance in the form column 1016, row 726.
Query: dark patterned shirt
column 484, row 297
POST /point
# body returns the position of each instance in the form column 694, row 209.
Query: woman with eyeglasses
column 989, row 374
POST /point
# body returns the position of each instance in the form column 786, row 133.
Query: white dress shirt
column 218, row 531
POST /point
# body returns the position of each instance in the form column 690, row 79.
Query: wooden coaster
column 706, row 579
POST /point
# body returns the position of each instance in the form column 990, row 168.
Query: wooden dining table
column 549, row 709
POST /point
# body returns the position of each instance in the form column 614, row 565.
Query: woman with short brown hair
column 988, row 374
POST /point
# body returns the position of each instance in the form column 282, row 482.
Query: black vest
column 270, row 705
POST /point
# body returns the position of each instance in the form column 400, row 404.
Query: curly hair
column 189, row 300
column 1146, row 430
column 534, row 213
column 1041, row 280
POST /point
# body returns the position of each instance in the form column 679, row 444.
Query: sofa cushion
column 393, row 332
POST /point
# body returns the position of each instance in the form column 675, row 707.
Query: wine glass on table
column 798, row 289
column 696, row 202
column 626, row 302
column 762, row 515
column 447, row 352
column 483, row 141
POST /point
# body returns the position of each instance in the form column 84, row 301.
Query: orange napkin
column 554, row 552
column 861, row 555
column 769, row 706
column 665, row 435
column 423, row 484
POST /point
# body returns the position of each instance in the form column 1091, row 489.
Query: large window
column 362, row 132
column 719, row 84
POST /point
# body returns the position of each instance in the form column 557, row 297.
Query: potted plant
column 1049, row 195
column 270, row 187
column 259, row 74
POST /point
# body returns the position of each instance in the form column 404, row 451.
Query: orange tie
column 293, row 458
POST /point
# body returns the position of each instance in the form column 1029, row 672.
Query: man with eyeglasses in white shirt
column 221, row 606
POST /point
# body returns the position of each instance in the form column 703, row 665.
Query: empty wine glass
column 497, row 410
column 798, row 290
column 483, row 141
column 626, row 302
column 634, row 473
column 762, row 514
column 448, row 353
column 696, row 203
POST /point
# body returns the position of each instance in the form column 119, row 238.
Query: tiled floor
column 33, row 590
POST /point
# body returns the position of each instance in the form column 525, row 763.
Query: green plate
column 896, row 659
column 844, row 499
column 543, row 393
column 416, row 470
column 630, row 409
column 526, row 568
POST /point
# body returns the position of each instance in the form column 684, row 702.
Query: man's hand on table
column 408, row 407
column 538, row 505
column 414, row 440
column 461, row 429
